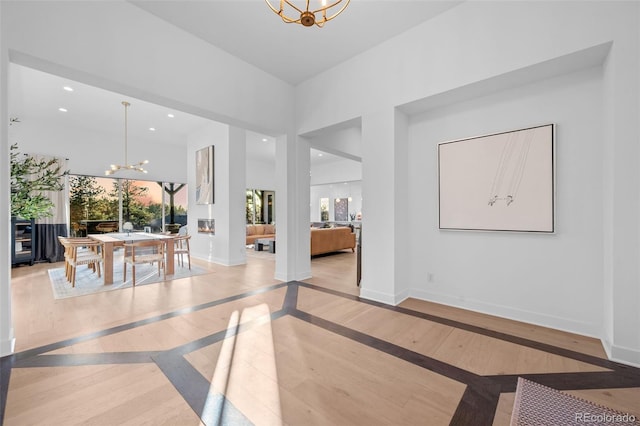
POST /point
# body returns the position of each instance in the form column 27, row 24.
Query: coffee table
column 261, row 242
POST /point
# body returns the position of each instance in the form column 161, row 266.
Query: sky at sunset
column 154, row 195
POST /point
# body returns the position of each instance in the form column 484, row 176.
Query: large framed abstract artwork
column 205, row 175
column 499, row 182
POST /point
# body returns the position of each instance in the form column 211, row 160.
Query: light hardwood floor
column 236, row 346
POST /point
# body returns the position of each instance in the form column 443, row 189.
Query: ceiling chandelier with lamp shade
column 126, row 166
column 292, row 14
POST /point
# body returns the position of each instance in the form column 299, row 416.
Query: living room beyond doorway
column 336, row 271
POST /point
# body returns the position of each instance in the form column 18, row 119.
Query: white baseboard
column 229, row 262
column 7, row 346
column 624, row 355
column 401, row 297
column 300, row 276
column 386, row 298
column 220, row 261
column 544, row 320
column 303, row 275
column 376, row 296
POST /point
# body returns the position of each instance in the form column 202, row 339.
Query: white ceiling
column 249, row 30
column 244, row 28
column 35, row 97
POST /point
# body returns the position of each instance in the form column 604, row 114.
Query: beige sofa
column 327, row 240
column 260, row 231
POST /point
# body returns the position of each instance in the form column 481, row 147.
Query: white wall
column 227, row 245
column 555, row 280
column 332, row 191
column 472, row 50
column 203, row 246
column 469, row 43
column 261, row 175
column 340, row 142
column 341, row 170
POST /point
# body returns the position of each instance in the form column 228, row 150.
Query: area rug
column 538, row 405
column 87, row 281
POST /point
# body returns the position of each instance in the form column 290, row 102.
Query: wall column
column 236, row 185
column 293, row 249
column 622, row 202
column 7, row 340
column 385, row 260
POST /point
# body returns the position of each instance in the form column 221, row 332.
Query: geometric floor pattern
column 190, row 368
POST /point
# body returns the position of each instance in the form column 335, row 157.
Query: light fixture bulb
column 291, row 13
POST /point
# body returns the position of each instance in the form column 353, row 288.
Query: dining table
column 117, row 239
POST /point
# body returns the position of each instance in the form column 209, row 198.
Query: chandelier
column 137, row 166
column 307, row 17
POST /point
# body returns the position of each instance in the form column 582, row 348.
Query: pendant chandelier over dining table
column 126, row 166
column 292, row 14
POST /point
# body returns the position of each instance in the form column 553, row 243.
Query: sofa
column 327, row 240
column 260, row 231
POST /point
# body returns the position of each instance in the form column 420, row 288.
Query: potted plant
column 30, row 177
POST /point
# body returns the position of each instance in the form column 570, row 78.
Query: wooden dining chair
column 80, row 251
column 140, row 252
column 181, row 247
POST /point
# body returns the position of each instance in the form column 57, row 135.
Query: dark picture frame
column 205, row 175
column 499, row 182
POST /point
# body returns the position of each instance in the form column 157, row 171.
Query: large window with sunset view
column 97, row 204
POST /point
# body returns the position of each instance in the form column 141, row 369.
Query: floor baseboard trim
column 300, row 276
column 7, row 346
column 377, row 296
column 624, row 355
column 401, row 297
column 544, row 320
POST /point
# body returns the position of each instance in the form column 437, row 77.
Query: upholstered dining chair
column 181, row 247
column 80, row 251
column 140, row 252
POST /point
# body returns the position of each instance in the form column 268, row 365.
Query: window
column 101, row 204
column 260, row 206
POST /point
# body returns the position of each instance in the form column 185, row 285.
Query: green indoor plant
column 30, row 177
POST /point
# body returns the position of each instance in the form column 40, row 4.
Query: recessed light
column 153, row 129
column 170, row 115
column 62, row 109
column 68, row 89
column 319, row 155
column 264, row 139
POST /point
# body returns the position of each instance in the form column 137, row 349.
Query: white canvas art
column 499, row 182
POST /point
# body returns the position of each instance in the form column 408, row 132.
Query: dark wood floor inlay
column 477, row 405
